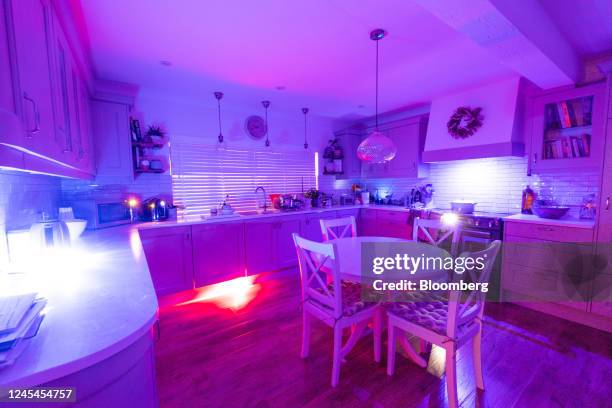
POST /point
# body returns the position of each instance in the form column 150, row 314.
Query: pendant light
column 305, row 112
column 376, row 148
column 266, row 104
column 218, row 96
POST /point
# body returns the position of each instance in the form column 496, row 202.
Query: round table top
column 349, row 252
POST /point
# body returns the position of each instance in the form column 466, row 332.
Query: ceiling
column 588, row 28
column 318, row 51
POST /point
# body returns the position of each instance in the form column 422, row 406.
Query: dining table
column 349, row 252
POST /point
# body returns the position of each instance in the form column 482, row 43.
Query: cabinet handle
column 535, row 158
column 36, row 129
column 607, row 203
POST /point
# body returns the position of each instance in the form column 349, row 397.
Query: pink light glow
column 233, row 294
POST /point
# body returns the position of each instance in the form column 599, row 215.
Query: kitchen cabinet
column 562, row 136
column 285, row 253
column 311, row 228
column 32, row 24
column 218, row 252
column 409, row 138
column 349, row 139
column 111, row 125
column 41, row 74
column 602, row 294
column 367, row 223
column 169, row 256
column 259, row 246
column 394, row 224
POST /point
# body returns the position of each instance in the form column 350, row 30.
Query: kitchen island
column 97, row 332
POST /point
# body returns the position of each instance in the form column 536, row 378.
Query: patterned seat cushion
column 424, row 309
column 351, row 299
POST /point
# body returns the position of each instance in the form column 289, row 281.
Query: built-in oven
column 102, row 214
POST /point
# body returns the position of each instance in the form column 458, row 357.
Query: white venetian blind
column 202, row 175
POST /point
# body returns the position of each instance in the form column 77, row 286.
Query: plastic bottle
column 527, row 200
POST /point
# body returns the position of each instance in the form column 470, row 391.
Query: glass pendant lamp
column 377, row 147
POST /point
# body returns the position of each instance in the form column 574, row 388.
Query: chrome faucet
column 263, row 190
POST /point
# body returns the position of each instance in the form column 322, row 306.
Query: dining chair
column 336, row 304
column 338, row 228
column 447, row 323
column 422, row 228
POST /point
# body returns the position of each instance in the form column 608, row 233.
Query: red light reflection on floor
column 233, row 294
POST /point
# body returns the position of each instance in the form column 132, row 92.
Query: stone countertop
column 100, row 300
column 270, row 214
column 566, row 221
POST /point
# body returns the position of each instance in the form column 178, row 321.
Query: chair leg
column 305, row 335
column 451, row 375
column 391, row 342
column 476, row 355
column 337, row 356
column 378, row 317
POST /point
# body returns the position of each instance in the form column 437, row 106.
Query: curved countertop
column 100, row 300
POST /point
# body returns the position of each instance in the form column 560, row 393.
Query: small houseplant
column 313, row 194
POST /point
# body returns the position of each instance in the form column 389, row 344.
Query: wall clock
column 255, row 127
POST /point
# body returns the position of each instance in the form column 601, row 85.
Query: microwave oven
column 102, row 214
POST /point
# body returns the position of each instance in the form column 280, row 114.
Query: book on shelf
column 569, row 113
column 568, row 147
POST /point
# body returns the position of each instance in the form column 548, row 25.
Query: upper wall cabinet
column 568, row 129
column 409, row 137
column 50, row 94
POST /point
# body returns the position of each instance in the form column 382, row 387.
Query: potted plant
column 313, row 194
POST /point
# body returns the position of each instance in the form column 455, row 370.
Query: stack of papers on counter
column 20, row 318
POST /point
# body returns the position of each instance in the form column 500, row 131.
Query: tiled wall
column 22, row 197
column 495, row 183
column 117, row 188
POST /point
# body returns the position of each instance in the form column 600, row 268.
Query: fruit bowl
column 549, row 209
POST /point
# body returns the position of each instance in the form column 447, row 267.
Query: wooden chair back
column 316, row 260
column 465, row 307
column 338, row 228
column 423, row 227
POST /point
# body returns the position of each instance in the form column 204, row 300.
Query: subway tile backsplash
column 496, row 184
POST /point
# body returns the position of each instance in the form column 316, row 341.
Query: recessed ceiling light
column 360, row 106
column 281, row 88
column 165, row 63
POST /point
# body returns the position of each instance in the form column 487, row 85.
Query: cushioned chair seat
column 351, row 299
column 424, row 309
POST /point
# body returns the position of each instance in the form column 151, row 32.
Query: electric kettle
column 49, row 233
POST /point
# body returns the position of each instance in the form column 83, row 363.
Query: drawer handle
column 535, row 158
column 607, row 203
column 546, row 228
column 36, row 115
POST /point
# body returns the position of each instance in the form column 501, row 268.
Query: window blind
column 202, row 175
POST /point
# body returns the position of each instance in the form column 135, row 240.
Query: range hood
column 501, row 133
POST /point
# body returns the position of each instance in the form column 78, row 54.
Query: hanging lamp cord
column 219, row 111
column 377, row 84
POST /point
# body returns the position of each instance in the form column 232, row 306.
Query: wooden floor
column 208, row 356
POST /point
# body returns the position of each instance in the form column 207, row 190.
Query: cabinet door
column 406, row 161
column 258, row 237
column 285, row 253
column 367, row 226
column 218, row 253
column 168, row 252
column 33, row 34
column 602, row 294
column 111, row 130
column 393, row 224
column 351, row 166
column 84, row 153
column 311, row 228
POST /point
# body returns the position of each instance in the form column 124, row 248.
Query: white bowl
column 75, row 228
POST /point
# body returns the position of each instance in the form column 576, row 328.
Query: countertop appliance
column 154, row 209
column 49, row 233
column 102, row 214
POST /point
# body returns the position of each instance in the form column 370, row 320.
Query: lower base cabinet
column 259, row 248
column 169, row 256
column 218, row 252
column 285, row 254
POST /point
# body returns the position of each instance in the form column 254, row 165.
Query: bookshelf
column 568, row 129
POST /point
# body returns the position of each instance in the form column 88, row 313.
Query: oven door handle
column 476, row 236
